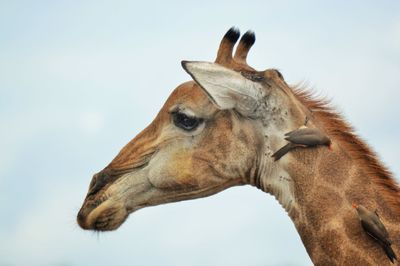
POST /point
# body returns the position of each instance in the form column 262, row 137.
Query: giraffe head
column 208, row 136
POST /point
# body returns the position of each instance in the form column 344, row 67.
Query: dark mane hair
column 337, row 127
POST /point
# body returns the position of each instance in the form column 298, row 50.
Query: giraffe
column 221, row 129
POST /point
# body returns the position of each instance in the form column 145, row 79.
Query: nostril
column 98, row 182
column 93, row 182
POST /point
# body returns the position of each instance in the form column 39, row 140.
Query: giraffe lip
column 106, row 216
column 109, row 219
column 84, row 213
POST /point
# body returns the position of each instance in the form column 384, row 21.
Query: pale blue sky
column 79, row 79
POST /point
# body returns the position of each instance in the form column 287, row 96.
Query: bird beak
column 354, row 205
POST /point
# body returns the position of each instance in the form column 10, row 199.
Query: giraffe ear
column 226, row 88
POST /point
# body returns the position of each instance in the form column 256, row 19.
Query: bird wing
column 376, row 231
column 301, row 131
column 309, row 137
column 381, row 227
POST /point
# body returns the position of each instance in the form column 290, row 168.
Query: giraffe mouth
column 106, row 208
column 110, row 219
column 100, row 210
column 105, row 216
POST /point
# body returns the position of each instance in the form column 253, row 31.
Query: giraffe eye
column 186, row 122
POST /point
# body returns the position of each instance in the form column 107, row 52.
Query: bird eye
column 186, row 122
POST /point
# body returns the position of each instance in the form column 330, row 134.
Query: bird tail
column 390, row 253
column 282, row 151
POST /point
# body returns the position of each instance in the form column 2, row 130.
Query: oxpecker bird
column 373, row 226
column 303, row 137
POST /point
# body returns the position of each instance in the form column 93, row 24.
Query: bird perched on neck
column 303, row 137
column 374, row 227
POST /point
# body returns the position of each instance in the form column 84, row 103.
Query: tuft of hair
column 232, row 35
column 248, row 39
column 340, row 130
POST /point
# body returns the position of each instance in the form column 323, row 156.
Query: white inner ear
column 228, row 89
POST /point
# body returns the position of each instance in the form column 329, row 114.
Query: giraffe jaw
column 110, row 208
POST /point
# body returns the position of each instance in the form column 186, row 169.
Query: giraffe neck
column 316, row 187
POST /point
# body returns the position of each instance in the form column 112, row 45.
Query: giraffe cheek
column 173, row 170
column 181, row 168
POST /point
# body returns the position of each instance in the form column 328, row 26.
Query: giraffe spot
column 334, row 168
column 353, row 257
column 304, row 177
column 331, row 245
column 317, row 215
column 313, row 217
column 306, row 156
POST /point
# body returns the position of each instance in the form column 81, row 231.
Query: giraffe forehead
column 190, row 95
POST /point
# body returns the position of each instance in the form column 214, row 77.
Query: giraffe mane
column 338, row 128
column 334, row 123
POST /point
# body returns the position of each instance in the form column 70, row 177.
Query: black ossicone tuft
column 232, row 35
column 249, row 38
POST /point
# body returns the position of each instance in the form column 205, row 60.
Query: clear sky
column 79, row 79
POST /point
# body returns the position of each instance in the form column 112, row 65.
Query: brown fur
column 338, row 129
column 330, row 174
column 324, row 182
